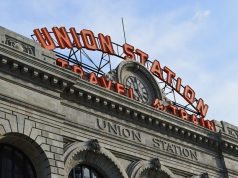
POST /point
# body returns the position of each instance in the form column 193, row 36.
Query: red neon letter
column 202, row 122
column 194, row 119
column 62, row 63
column 46, row 41
column 202, row 108
column 157, row 105
column 131, row 93
column 106, row 43
column 75, row 37
column 93, row 78
column 178, row 84
column 129, row 51
column 77, row 69
column 172, row 109
column 210, row 125
column 156, row 70
column 170, row 75
column 189, row 94
column 143, row 56
column 89, row 40
column 120, row 88
column 183, row 114
column 105, row 83
column 62, row 37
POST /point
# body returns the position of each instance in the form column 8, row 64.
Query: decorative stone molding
column 142, row 169
column 93, row 154
column 34, row 74
column 19, row 45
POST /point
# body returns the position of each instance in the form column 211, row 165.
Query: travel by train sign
column 77, row 42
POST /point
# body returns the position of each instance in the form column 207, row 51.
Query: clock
column 140, row 90
column 133, row 75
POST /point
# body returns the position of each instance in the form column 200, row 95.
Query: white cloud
column 201, row 15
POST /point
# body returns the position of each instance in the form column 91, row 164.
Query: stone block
column 40, row 140
column 58, row 157
column 52, row 162
column 54, row 143
column 52, row 136
column 2, row 130
column 60, row 164
column 20, row 122
column 28, row 126
column 56, row 150
column 13, row 122
column 45, row 147
column 2, row 114
column 49, row 155
column 61, row 171
column 48, row 128
column 35, row 133
column 6, row 125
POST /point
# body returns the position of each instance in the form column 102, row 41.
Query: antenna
column 123, row 29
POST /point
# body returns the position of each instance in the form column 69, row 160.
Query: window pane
column 78, row 172
column 18, row 165
column 83, row 171
column 94, row 174
column 86, row 172
column 14, row 163
column 29, row 171
column 6, row 159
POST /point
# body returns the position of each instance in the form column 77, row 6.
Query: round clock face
column 140, row 90
column 135, row 76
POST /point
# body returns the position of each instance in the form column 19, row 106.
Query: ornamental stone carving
column 93, row 154
column 146, row 169
column 20, row 45
column 156, row 163
column 94, row 145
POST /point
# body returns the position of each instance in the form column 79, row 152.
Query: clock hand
column 136, row 84
column 138, row 89
column 140, row 96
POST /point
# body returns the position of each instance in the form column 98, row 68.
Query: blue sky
column 197, row 39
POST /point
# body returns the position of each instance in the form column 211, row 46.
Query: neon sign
column 86, row 39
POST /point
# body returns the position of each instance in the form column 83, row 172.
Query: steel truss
column 101, row 64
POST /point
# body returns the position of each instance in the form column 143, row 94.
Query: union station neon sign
column 86, row 39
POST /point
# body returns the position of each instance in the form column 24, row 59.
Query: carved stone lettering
column 175, row 149
column 116, row 129
column 131, row 134
column 232, row 132
column 20, row 45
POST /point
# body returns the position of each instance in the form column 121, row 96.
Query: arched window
column 83, row 171
column 14, row 163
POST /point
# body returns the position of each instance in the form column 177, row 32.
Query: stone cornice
column 229, row 144
column 44, row 64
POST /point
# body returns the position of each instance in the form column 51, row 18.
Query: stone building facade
column 58, row 121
